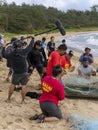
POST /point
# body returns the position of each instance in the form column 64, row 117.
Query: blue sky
column 61, row 4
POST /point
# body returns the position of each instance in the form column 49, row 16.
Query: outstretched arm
column 29, row 47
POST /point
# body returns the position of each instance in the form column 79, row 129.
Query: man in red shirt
column 66, row 61
column 54, row 58
column 52, row 92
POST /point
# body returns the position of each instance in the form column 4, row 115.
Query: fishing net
column 77, row 86
column 82, row 123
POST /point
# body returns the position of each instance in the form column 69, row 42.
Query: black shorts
column 50, row 109
column 38, row 67
column 20, row 79
column 44, row 63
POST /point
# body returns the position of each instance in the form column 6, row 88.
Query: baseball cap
column 38, row 43
column 16, row 44
column 85, row 59
column 71, row 53
column 22, row 38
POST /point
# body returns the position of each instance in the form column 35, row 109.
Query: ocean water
column 80, row 41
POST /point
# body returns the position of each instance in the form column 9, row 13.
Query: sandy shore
column 15, row 116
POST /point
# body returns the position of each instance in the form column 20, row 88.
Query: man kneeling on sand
column 52, row 93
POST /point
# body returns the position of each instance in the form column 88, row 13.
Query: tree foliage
column 15, row 18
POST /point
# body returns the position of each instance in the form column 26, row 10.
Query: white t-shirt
column 1, row 41
column 87, row 70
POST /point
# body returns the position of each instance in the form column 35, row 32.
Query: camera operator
column 19, row 65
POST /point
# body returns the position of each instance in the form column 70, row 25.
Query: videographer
column 19, row 65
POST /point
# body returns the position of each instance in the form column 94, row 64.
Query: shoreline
column 15, row 116
column 58, row 36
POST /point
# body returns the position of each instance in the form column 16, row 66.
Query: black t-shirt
column 51, row 46
column 34, row 57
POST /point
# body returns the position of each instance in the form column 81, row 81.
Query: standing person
column 52, row 92
column 9, row 49
column 35, row 59
column 43, row 50
column 85, row 69
column 87, row 54
column 43, row 42
column 43, row 53
column 19, row 65
column 66, row 61
column 51, row 46
column 54, row 58
column 1, row 46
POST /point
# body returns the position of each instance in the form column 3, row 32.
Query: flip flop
column 42, row 119
column 35, row 117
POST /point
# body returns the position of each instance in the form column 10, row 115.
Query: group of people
column 51, row 63
column 86, row 69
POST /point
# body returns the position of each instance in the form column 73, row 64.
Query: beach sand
column 15, row 116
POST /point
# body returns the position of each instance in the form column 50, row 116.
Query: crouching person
column 52, row 92
column 85, row 69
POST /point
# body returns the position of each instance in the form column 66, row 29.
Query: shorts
column 38, row 67
column 50, row 109
column 45, row 64
column 18, row 79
